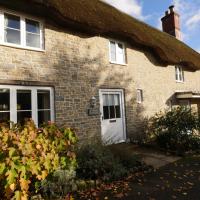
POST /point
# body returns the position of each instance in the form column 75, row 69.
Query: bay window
column 18, row 103
column 20, row 31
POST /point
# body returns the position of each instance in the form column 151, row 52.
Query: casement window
column 139, row 96
column 18, row 103
column 117, row 52
column 179, row 74
column 20, row 31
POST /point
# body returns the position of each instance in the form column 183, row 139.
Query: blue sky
column 150, row 11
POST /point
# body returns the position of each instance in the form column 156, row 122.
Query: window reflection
column 12, row 29
column 4, row 105
column 32, row 33
column 43, row 106
column 111, row 106
column 24, row 108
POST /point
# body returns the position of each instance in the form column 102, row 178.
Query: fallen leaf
column 120, row 195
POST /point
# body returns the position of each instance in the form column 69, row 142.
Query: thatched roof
column 99, row 18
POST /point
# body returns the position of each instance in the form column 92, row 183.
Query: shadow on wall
column 172, row 101
column 139, row 133
column 78, row 69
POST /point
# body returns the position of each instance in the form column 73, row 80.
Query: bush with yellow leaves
column 29, row 154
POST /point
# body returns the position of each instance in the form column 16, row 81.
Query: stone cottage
column 87, row 65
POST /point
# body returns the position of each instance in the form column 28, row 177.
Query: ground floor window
column 20, row 102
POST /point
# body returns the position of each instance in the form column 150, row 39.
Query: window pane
column 32, row 40
column 111, row 99
column 43, row 99
column 112, row 51
column 4, row 100
column 176, row 73
column 116, row 97
column 4, row 116
column 118, row 112
column 12, row 21
column 112, row 112
column 105, row 100
column 12, row 36
column 22, row 116
column 32, row 26
column 120, row 48
column 23, row 100
column 106, row 112
column 120, row 53
column 181, row 74
column 139, row 96
column 43, row 116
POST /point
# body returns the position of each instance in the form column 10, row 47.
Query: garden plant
column 28, row 155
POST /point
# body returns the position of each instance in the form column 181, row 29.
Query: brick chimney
column 171, row 23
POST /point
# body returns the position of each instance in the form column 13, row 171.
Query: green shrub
column 28, row 155
column 97, row 162
column 176, row 130
column 125, row 154
column 59, row 184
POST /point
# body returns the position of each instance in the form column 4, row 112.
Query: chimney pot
column 171, row 8
column 166, row 13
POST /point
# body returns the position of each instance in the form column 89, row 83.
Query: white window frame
column 179, row 73
column 34, row 104
column 139, row 96
column 116, row 51
column 22, row 31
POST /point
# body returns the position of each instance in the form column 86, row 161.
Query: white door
column 112, row 116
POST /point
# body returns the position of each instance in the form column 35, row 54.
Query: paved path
column 150, row 156
column 180, row 180
column 155, row 158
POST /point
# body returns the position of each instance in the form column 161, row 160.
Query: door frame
column 121, row 91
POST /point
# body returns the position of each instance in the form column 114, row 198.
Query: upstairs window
column 19, row 31
column 12, row 29
column 32, row 33
column 179, row 74
column 117, row 52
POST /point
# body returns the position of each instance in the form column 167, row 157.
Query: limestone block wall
column 77, row 66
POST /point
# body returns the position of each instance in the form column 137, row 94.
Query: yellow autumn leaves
column 28, row 153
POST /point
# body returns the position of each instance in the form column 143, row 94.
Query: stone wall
column 77, row 66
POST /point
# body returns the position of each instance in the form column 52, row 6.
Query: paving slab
column 150, row 156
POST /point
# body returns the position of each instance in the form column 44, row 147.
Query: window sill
column 116, row 63
column 179, row 81
column 21, row 47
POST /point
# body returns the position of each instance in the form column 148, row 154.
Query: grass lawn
column 179, row 180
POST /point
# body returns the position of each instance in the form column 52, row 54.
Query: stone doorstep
column 157, row 160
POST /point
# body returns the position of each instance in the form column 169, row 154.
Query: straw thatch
column 97, row 17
